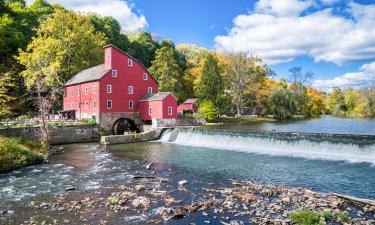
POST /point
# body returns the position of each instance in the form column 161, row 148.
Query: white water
column 302, row 148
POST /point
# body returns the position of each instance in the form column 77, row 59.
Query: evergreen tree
column 166, row 70
column 211, row 85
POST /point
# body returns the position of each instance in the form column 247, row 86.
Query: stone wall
column 58, row 135
column 181, row 122
column 106, row 120
column 130, row 138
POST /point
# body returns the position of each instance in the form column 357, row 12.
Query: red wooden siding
column 159, row 108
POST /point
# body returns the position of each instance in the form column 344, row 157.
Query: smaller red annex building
column 121, row 88
column 190, row 105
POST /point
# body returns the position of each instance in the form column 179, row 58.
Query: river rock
column 70, row 188
column 140, row 187
column 182, row 182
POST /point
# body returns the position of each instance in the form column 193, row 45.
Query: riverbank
column 155, row 197
column 16, row 153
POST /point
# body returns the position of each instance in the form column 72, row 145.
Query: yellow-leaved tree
column 65, row 43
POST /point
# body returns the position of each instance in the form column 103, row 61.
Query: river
column 326, row 162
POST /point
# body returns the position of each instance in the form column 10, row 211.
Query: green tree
column 7, row 84
column 65, row 44
column 211, row 85
column 335, row 103
column 208, row 110
column 166, row 70
column 112, row 30
column 282, row 104
column 143, row 48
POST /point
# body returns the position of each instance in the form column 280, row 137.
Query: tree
column 112, row 30
column 299, row 82
column 282, row 104
column 211, row 85
column 143, row 48
column 208, row 110
column 240, row 70
column 65, row 44
column 166, row 70
column 7, row 84
column 335, row 103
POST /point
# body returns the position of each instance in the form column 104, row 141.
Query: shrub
column 343, row 217
column 305, row 217
column 207, row 110
column 15, row 153
column 88, row 122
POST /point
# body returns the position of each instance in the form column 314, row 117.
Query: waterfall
column 312, row 146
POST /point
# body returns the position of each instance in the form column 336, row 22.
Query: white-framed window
column 71, row 105
column 72, row 93
column 94, row 89
column 149, row 90
column 109, row 104
column 130, row 62
column 94, row 104
column 170, row 112
column 145, row 76
column 86, row 90
column 130, row 90
column 86, row 104
column 149, row 110
column 130, row 104
column 79, row 92
column 109, row 88
column 114, row 73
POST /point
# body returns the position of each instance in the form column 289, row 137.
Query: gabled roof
column 140, row 63
column 156, row 97
column 90, row 74
column 190, row 101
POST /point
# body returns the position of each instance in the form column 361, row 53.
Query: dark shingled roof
column 90, row 74
column 190, row 101
column 156, row 97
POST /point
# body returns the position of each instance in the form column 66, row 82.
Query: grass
column 16, row 153
column 306, row 217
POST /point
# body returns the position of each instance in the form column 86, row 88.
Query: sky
column 334, row 39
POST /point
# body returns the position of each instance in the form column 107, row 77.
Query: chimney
column 108, row 50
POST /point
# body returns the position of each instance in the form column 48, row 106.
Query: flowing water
column 334, row 160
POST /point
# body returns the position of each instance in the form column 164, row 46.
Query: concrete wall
column 181, row 122
column 58, row 135
column 130, row 138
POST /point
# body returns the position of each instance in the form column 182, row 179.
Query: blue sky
column 200, row 22
column 334, row 39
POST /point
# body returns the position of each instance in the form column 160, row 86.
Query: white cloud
column 122, row 10
column 363, row 77
column 284, row 7
column 280, row 32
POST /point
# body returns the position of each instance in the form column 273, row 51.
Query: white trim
column 145, row 76
column 94, row 104
column 130, row 90
column 94, row 89
column 114, row 73
column 109, row 101
column 130, row 62
column 79, row 92
column 86, row 104
column 72, row 93
column 150, row 111
column 170, row 111
column 148, row 91
column 72, row 105
column 109, row 88
column 130, row 104
column 86, row 90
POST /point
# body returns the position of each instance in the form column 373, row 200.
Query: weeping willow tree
column 282, row 104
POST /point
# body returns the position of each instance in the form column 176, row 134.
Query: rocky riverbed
column 152, row 197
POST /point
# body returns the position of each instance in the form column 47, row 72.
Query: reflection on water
column 324, row 124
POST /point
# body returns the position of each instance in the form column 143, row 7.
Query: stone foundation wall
column 106, row 120
column 177, row 122
column 58, row 135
